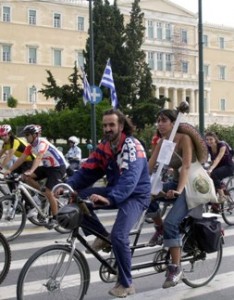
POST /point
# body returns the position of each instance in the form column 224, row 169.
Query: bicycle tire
column 36, row 279
column 228, row 208
column 11, row 228
column 199, row 268
column 5, row 257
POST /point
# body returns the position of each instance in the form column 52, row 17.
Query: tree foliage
column 67, row 95
column 12, row 102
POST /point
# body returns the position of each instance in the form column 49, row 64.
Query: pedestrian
column 122, row 158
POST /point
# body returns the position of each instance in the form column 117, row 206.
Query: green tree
column 68, row 95
column 142, row 105
column 12, row 102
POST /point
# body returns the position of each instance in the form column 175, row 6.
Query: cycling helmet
column 69, row 216
column 5, row 129
column 32, row 129
column 74, row 140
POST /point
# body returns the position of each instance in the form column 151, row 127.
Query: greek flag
column 108, row 81
column 87, row 90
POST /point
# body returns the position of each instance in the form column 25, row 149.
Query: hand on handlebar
column 99, row 200
column 171, row 194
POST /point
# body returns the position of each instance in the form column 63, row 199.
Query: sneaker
column 120, row 291
column 32, row 212
column 173, row 274
column 52, row 223
column 98, row 245
column 157, row 239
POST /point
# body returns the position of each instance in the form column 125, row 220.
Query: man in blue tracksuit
column 122, row 158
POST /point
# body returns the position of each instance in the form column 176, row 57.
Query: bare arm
column 35, row 165
column 18, row 163
column 154, row 156
column 187, row 150
column 8, row 157
column 217, row 159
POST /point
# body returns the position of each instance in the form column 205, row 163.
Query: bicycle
column 225, row 209
column 13, row 207
column 61, row 271
column 5, row 257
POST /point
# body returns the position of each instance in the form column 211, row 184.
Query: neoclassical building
column 39, row 36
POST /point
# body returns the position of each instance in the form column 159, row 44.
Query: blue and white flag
column 108, row 81
column 87, row 89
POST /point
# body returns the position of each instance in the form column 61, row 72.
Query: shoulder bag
column 200, row 187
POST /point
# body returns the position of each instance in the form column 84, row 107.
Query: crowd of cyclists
column 122, row 159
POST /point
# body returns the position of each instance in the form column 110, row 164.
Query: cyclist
column 12, row 148
column 74, row 154
column 188, row 148
column 221, row 162
column 122, row 159
column 49, row 163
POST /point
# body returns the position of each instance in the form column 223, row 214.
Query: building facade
column 40, row 36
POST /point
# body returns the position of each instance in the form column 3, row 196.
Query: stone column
column 175, row 99
column 166, row 96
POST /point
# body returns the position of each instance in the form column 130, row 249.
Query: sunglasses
column 27, row 134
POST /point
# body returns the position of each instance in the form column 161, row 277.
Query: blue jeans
column 179, row 210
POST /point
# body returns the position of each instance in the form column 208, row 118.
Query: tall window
column 32, row 55
column 80, row 59
column 159, row 31
column 222, row 72
column 32, row 17
column 150, row 29
column 168, row 32
column 159, row 61
column 57, row 20
column 168, row 62
column 57, row 57
column 206, row 71
column 80, row 23
column 205, row 40
column 6, row 93
column 151, row 60
column 221, row 43
column 184, row 66
column 32, row 94
column 184, row 36
column 6, row 53
column 222, row 104
column 6, row 16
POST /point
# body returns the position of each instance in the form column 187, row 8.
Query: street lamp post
column 201, row 71
column 92, row 75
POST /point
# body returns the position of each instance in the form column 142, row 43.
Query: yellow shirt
column 19, row 146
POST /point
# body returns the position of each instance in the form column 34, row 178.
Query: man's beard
column 110, row 136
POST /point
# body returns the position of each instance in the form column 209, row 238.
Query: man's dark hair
column 125, row 121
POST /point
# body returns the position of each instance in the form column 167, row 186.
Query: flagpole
column 92, row 75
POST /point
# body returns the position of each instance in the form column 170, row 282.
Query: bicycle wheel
column 5, row 257
column 49, row 274
column 198, row 267
column 228, row 208
column 11, row 223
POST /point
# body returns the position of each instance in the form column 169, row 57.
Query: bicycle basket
column 69, row 216
column 207, row 232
